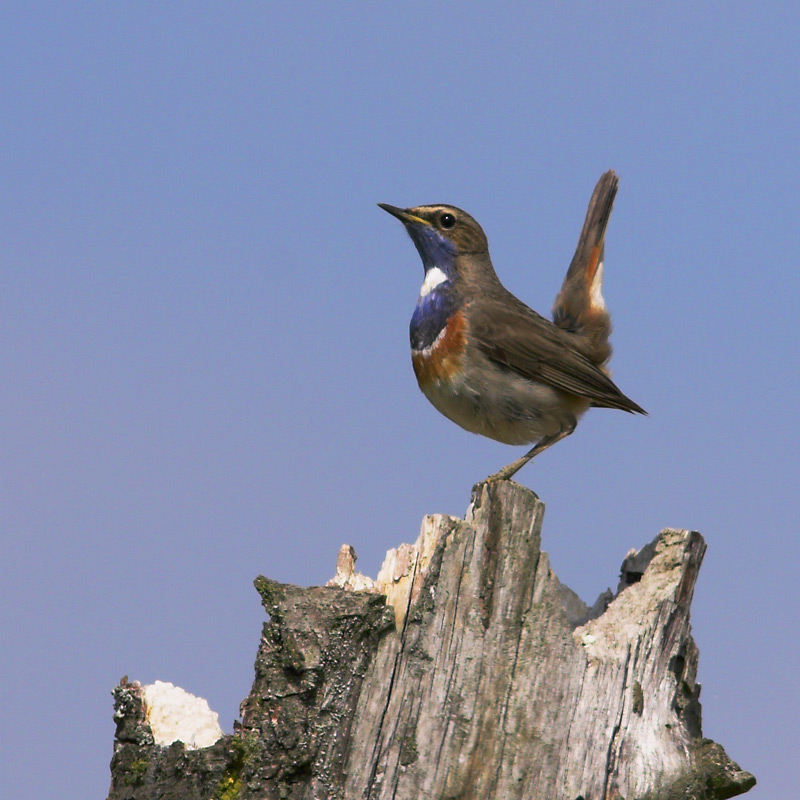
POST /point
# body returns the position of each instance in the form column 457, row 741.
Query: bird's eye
column 447, row 220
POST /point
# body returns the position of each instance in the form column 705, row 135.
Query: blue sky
column 204, row 315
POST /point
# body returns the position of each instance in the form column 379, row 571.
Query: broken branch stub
column 486, row 679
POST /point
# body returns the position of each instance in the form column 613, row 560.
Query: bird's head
column 442, row 234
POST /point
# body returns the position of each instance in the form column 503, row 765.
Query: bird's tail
column 579, row 306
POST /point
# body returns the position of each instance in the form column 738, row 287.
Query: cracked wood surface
column 495, row 691
column 495, row 680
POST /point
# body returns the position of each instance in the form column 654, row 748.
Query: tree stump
column 484, row 678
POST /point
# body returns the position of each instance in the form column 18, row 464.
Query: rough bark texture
column 497, row 683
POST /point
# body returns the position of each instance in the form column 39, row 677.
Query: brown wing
column 517, row 337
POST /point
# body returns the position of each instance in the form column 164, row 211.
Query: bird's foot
column 509, row 471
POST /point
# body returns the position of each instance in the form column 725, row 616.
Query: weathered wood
column 492, row 680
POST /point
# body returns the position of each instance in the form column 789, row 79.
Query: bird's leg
column 507, row 472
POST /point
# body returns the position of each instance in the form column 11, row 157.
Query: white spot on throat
column 596, row 289
column 433, row 277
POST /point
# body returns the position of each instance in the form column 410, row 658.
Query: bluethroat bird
column 487, row 361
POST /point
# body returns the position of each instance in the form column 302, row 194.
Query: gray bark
column 486, row 679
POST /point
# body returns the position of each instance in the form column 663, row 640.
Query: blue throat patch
column 431, row 315
column 435, row 308
column 434, row 249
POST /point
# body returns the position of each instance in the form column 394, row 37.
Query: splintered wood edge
column 668, row 568
column 404, row 568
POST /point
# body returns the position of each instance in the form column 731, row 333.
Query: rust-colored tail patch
column 580, row 307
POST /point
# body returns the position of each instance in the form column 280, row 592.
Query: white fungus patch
column 174, row 715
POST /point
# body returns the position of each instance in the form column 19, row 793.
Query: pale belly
column 504, row 406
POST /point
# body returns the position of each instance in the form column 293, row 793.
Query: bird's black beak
column 404, row 215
